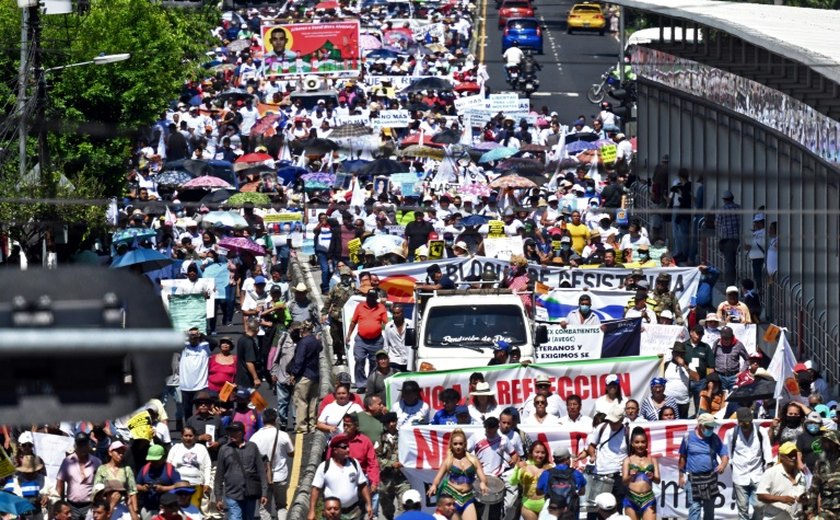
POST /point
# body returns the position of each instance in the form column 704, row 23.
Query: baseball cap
column 116, row 445
column 605, row 501
column 260, row 279
column 732, row 289
column 82, row 438
column 343, row 377
column 236, row 426
column 616, row 413
column 381, row 352
column 706, row 419
column 26, row 438
column 814, row 417
column 562, row 453
column 338, row 439
column 411, row 496
column 799, row 367
column 155, row 452
column 667, row 314
column 243, row 393
column 542, row 379
column 168, row 500
column 787, row 448
column 501, row 345
column 611, row 379
column 744, row 414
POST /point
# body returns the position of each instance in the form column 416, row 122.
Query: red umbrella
column 265, row 124
column 254, row 158
column 326, row 5
column 468, row 86
column 415, row 139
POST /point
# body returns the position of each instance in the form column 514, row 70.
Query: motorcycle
column 529, row 84
column 513, row 76
column 598, row 91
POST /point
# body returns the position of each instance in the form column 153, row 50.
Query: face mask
column 585, row 309
column 792, row 421
column 708, row 433
column 812, row 428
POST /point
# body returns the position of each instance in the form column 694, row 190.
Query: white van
column 459, row 328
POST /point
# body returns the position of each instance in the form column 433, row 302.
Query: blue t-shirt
column 443, row 417
column 166, row 475
column 698, row 452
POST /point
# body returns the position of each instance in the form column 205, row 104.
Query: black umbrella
column 522, row 166
column 382, row 167
column 430, row 83
column 583, row 136
column 350, row 130
column 448, row 136
column 319, row 146
column 235, row 94
column 218, row 196
column 154, row 207
column 760, row 389
column 417, row 106
column 192, row 166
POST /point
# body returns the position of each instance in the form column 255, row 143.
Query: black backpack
column 561, row 484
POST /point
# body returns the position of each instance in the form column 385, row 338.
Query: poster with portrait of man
column 310, row 48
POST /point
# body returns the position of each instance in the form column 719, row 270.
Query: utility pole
column 41, row 102
column 23, row 127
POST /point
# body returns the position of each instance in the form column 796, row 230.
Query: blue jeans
column 284, row 399
column 695, row 507
column 364, row 350
column 727, row 382
column 324, row 264
column 229, row 305
column 240, row 509
column 696, row 388
column 745, row 497
column 681, row 230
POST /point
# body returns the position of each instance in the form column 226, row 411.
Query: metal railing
column 783, row 300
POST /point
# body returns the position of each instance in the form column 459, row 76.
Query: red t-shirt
column 370, row 320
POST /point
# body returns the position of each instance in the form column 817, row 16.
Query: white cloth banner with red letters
column 422, row 449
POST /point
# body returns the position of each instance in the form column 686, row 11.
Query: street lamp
column 41, row 104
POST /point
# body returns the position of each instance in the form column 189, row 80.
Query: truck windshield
column 474, row 326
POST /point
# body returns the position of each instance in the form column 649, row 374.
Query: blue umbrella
column 289, row 174
column 475, row 220
column 503, row 152
column 145, row 259
column 14, row 505
column 579, row 146
column 382, row 53
column 196, row 100
column 132, row 233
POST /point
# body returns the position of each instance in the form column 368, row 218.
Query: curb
column 316, row 443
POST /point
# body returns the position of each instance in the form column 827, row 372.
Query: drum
column 495, row 491
column 595, row 485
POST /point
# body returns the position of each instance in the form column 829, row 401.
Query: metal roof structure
column 804, row 35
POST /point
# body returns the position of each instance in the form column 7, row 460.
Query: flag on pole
column 781, row 367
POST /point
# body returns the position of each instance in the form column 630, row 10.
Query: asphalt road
column 571, row 63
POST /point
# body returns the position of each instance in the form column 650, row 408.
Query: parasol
column 512, row 181
column 496, row 154
column 207, row 182
column 241, row 244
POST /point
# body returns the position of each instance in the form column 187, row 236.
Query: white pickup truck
column 459, row 328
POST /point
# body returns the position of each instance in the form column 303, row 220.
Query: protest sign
column 391, row 119
column 187, row 311
column 140, row 426
column 7, row 467
column 398, row 82
column 423, row 448
column 52, row 449
column 292, row 216
column 353, row 247
column 608, row 153
column 570, row 343
column 506, row 102
column 514, row 384
column 408, row 182
column 436, row 249
column 173, row 286
column 660, row 339
column 351, row 120
column 496, row 229
column 311, row 48
column 502, row 248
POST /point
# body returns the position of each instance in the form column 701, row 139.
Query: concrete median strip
column 309, row 449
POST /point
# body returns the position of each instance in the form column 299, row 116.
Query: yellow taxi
column 586, row 17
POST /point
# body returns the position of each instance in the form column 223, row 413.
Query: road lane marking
column 565, row 94
column 297, row 462
column 483, row 32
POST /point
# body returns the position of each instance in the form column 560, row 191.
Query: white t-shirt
column 193, row 367
column 333, row 413
column 193, row 464
column 491, row 453
column 677, row 385
column 603, row 404
column 548, row 420
column 555, row 406
column 264, row 439
column 583, row 422
column 339, row 481
column 515, row 442
column 611, row 447
column 418, row 413
column 746, row 461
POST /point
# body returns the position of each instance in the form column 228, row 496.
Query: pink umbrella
column 241, row 244
column 477, row 189
column 369, row 42
column 206, row 181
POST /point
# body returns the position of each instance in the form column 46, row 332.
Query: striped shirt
column 650, row 412
column 728, row 223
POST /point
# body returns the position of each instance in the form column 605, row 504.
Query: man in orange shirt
column 371, row 317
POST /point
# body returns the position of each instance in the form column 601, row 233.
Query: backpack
column 561, row 484
column 353, row 460
column 144, row 471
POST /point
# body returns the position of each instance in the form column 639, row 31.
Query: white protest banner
column 570, row 343
column 398, row 82
column 391, row 119
column 504, row 102
column 423, row 448
column 514, row 384
column 351, row 120
column 408, row 182
column 524, row 105
column 684, row 280
column 609, row 299
column 746, row 333
column 503, row 247
column 52, row 449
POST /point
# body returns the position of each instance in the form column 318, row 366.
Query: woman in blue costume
column 639, row 473
column 456, row 477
